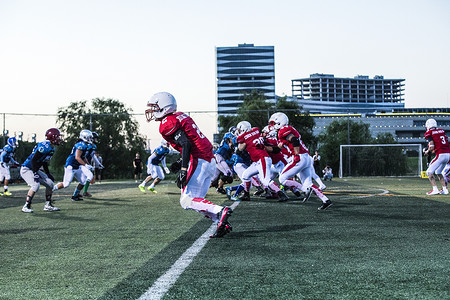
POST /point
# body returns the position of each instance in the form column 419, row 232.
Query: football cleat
column 77, row 198
column 228, row 191
column 152, row 190
column 223, row 226
column 322, row 187
column 221, row 191
column 308, row 195
column 50, row 207
column 260, row 191
column 282, row 197
column 297, row 193
column 7, row 193
column 142, row 188
column 86, row 194
column 443, row 192
column 325, row 205
column 433, row 192
column 27, row 209
column 245, row 197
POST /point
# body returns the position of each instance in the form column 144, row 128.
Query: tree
column 337, row 134
column 256, row 110
column 118, row 131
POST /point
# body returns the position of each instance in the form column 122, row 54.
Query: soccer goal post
column 380, row 160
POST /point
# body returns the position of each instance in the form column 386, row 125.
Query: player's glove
column 176, row 166
column 181, row 179
column 167, row 170
column 3, row 165
column 36, row 177
column 296, row 158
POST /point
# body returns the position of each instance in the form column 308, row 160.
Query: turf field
column 382, row 239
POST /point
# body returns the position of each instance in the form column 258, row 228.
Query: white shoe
column 443, row 192
column 49, row 207
column 322, row 187
column 27, row 209
column 433, row 192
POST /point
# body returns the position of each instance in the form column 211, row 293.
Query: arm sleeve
column 181, row 139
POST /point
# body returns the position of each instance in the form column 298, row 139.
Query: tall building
column 241, row 70
column 328, row 94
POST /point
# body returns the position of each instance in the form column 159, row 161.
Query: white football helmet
column 164, row 143
column 242, row 127
column 86, row 135
column 160, row 105
column 431, row 123
column 268, row 132
column 278, row 120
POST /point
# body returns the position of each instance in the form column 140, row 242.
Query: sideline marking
column 165, row 282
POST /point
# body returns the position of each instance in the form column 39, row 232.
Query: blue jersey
column 90, row 151
column 244, row 158
column 46, row 151
column 71, row 161
column 7, row 154
column 225, row 151
column 158, row 155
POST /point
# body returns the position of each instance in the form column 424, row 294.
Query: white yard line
column 163, row 283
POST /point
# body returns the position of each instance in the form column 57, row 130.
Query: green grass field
column 382, row 239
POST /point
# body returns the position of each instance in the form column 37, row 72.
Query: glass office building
column 241, row 70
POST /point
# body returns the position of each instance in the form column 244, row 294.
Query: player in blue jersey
column 223, row 154
column 91, row 157
column 7, row 158
column 154, row 171
column 33, row 175
column 77, row 165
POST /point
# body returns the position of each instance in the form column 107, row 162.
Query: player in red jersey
column 197, row 160
column 250, row 139
column 437, row 143
column 300, row 162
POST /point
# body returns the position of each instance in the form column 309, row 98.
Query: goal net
column 380, row 160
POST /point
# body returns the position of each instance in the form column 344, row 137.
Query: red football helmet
column 54, row 136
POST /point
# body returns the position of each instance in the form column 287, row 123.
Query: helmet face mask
column 278, row 120
column 53, row 135
column 268, row 131
column 160, row 105
column 430, row 123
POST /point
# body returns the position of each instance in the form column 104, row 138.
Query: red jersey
column 201, row 147
column 440, row 140
column 276, row 157
column 284, row 132
column 255, row 144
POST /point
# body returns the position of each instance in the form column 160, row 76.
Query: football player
column 300, row 162
column 250, row 139
column 438, row 144
column 77, row 166
column 6, row 158
column 91, row 157
column 197, row 160
column 153, row 169
column 223, row 171
column 34, row 177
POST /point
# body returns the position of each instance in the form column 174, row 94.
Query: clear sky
column 56, row 52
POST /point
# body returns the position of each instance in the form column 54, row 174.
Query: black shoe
column 325, row 205
column 223, row 227
column 308, row 195
column 260, row 191
column 245, row 197
column 221, row 191
column 282, row 197
column 77, row 198
column 297, row 193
